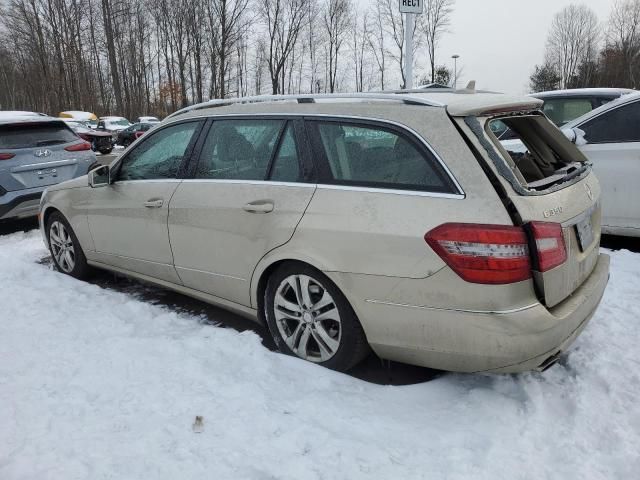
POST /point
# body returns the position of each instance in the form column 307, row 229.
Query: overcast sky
column 499, row 41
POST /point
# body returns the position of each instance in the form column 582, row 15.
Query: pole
column 408, row 54
column 455, row 70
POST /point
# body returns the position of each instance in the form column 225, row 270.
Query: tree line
column 155, row 56
column 583, row 52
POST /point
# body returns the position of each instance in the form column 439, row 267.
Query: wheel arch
column 265, row 269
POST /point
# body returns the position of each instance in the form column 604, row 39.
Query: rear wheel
column 67, row 254
column 106, row 151
column 310, row 318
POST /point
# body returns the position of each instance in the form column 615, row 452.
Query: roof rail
column 309, row 98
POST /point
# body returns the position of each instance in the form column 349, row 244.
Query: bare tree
column 623, row 35
column 572, row 40
column 435, row 22
column 376, row 41
column 337, row 20
column 284, row 19
column 360, row 35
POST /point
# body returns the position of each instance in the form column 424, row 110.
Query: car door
column 246, row 197
column 613, row 145
column 128, row 218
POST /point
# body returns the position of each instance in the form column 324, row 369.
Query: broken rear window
column 537, row 152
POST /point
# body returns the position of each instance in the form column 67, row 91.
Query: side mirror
column 100, row 177
column 575, row 135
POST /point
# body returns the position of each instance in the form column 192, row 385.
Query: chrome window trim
column 391, row 191
column 461, row 193
column 148, row 180
column 463, row 310
column 250, row 182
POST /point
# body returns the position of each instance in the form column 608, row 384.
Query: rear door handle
column 157, row 203
column 260, row 206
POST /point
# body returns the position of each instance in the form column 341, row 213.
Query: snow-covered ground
column 97, row 384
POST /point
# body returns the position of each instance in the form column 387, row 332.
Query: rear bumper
column 507, row 341
column 20, row 203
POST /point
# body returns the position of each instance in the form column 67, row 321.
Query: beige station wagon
column 395, row 222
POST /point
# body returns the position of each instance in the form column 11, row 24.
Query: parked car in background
column 562, row 106
column 113, row 125
column 101, row 141
column 609, row 137
column 147, row 120
column 343, row 222
column 127, row 136
column 88, row 118
column 37, row 152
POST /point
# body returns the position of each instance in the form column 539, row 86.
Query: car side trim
column 454, row 196
column 488, row 312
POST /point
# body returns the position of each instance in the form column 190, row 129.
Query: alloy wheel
column 307, row 318
column 62, row 247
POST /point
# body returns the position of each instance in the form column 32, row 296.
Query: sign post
column 409, row 8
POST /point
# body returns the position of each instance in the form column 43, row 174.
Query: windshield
column 123, row 122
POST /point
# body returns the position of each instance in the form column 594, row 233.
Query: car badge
column 42, row 153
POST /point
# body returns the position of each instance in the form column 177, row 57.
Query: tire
column 65, row 249
column 326, row 332
column 105, row 151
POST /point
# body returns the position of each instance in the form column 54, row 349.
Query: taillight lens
column 496, row 254
column 488, row 254
column 78, row 147
column 6, row 156
column 550, row 247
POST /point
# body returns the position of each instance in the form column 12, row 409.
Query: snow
column 96, row 383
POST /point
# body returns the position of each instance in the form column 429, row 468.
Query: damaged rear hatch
column 546, row 184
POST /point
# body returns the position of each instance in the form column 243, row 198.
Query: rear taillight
column 78, row 147
column 550, row 247
column 497, row 254
column 6, row 156
column 491, row 254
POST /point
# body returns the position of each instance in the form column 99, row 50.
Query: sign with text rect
column 411, row 6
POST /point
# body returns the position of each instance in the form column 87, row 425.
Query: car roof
column 583, row 92
column 13, row 120
column 457, row 103
column 632, row 97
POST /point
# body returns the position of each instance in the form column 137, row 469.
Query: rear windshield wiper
column 44, row 143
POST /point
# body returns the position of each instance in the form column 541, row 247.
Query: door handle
column 260, row 206
column 154, row 203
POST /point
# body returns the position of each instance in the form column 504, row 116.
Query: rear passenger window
column 364, row 155
column 239, row 149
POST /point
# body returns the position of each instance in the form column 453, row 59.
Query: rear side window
column 375, row 156
column 34, row 135
column 615, row 126
column 239, row 149
column 563, row 110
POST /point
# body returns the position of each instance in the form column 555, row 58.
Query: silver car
column 36, row 151
column 395, row 222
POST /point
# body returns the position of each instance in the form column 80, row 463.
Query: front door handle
column 260, row 206
column 155, row 203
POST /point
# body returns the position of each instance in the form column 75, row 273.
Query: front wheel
column 67, row 254
column 309, row 317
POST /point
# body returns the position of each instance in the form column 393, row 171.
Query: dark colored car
column 100, row 140
column 127, row 136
